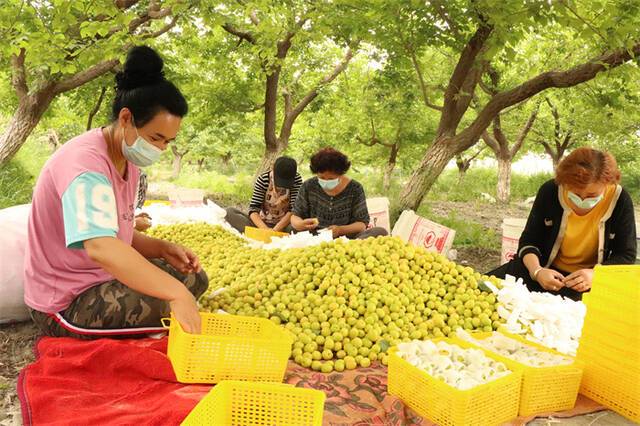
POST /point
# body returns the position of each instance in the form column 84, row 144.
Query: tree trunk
column 53, row 139
column 200, row 164
column 269, row 157
column 386, row 179
column 462, row 172
column 463, row 165
column 24, row 120
column 226, row 158
column 425, row 175
column 96, row 108
column 504, row 179
column 177, row 164
column 391, row 165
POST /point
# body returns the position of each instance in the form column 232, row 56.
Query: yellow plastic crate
column 263, row 235
column 230, row 347
column 606, row 323
column 612, row 387
column 609, row 347
column 544, row 389
column 492, row 403
column 152, row 202
column 235, row 403
column 619, row 282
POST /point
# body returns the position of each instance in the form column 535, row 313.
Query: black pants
column 517, row 269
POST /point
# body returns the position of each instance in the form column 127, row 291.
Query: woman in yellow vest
column 580, row 219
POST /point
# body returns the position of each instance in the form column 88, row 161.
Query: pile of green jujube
column 345, row 302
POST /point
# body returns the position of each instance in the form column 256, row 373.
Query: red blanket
column 131, row 382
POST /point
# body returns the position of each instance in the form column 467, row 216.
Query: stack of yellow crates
column 610, row 343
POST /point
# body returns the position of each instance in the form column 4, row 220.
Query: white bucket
column 379, row 212
column 511, row 230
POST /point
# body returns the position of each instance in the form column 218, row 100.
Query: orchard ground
column 478, row 226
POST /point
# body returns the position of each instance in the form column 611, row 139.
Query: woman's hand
column 142, row 222
column 336, row 230
column 580, row 280
column 185, row 310
column 310, row 224
column 550, row 279
column 181, row 258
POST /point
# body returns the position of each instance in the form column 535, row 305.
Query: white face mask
column 328, row 184
column 141, row 153
column 587, row 203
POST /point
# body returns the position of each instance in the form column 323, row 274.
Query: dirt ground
column 16, row 351
column 17, row 340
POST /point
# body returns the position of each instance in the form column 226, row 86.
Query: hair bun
column 142, row 68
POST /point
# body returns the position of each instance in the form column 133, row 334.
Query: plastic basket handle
column 166, row 322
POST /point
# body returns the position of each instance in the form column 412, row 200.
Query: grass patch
column 18, row 176
column 450, row 187
column 239, row 185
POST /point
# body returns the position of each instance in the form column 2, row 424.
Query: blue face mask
column 587, row 203
column 141, row 153
column 328, row 184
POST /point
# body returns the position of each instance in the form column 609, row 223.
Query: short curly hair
column 587, row 165
column 330, row 160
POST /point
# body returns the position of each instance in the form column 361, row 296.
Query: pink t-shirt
column 79, row 195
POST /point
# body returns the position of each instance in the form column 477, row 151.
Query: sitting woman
column 88, row 273
column 333, row 200
column 581, row 219
column 274, row 195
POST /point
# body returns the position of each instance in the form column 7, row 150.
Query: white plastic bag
column 379, row 212
column 423, row 232
column 13, row 242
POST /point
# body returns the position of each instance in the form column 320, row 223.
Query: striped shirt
column 142, row 190
column 260, row 191
column 345, row 208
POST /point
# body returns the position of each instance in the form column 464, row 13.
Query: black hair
column 330, row 160
column 142, row 88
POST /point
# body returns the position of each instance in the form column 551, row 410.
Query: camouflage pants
column 112, row 309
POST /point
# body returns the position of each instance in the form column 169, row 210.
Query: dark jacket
column 547, row 224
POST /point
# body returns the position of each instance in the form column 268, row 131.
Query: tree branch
column 557, row 130
column 242, row 35
column 442, row 12
column 153, row 12
column 448, row 121
column 313, row 93
column 560, row 79
column 423, row 86
column 18, row 75
column 584, row 21
column 85, row 76
column 96, row 108
column 494, row 76
column 474, row 156
column 158, row 33
column 491, row 142
column 568, row 141
column 287, row 101
column 547, row 147
column 524, row 132
column 125, row 4
column 499, row 136
column 177, row 153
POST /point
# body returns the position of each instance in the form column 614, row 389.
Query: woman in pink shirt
column 88, row 273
